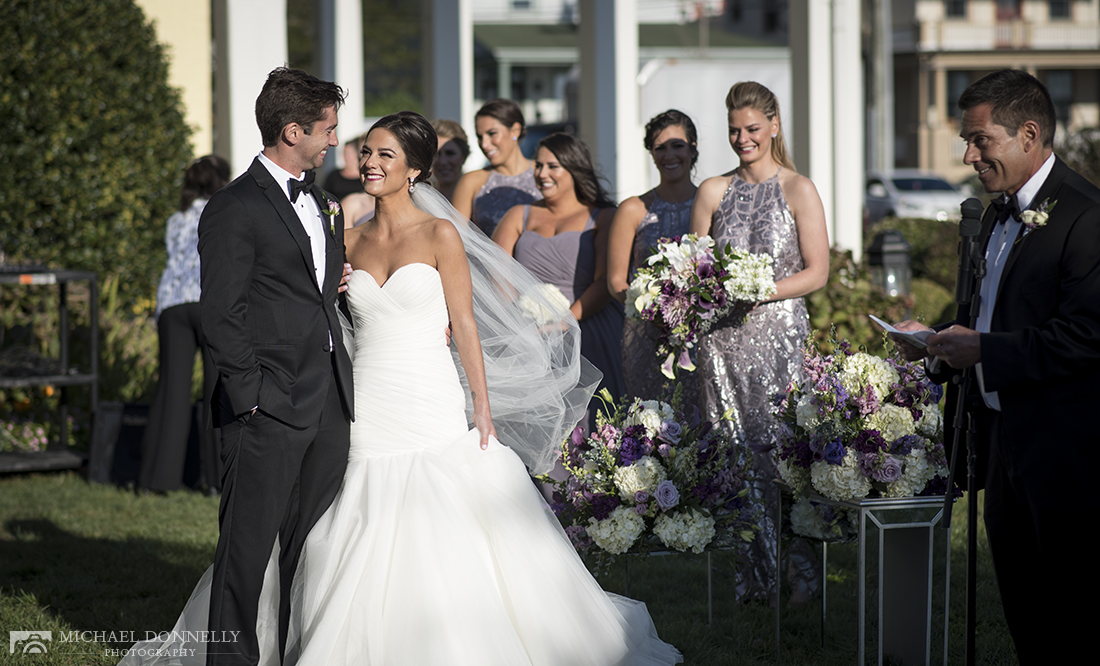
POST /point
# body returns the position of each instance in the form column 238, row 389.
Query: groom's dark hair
column 1014, row 97
column 416, row 136
column 293, row 96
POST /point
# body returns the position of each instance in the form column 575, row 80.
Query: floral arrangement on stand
column 687, row 286
column 651, row 477
column 858, row 426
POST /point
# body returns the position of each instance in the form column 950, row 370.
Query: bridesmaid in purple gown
column 563, row 241
column 763, row 205
column 640, row 222
column 485, row 195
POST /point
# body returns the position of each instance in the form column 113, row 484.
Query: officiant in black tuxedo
column 272, row 260
column 1036, row 353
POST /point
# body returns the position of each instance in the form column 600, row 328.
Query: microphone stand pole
column 967, row 291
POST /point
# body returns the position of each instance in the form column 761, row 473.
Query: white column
column 348, row 47
column 848, row 124
column 250, row 41
column 827, row 137
column 448, row 69
column 609, row 92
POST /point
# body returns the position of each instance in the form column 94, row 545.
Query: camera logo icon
column 29, row 642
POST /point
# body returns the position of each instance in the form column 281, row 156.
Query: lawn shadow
column 98, row 584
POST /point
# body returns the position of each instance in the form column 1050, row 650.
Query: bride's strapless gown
column 437, row 552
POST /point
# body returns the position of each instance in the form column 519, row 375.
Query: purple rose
column 834, row 452
column 664, row 450
column 641, row 496
column 640, row 509
column 670, row 431
column 667, row 495
column 890, row 470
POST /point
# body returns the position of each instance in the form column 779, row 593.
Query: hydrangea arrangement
column 544, row 303
column 860, row 426
column 687, row 286
column 651, row 477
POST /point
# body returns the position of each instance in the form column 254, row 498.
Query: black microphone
column 969, row 227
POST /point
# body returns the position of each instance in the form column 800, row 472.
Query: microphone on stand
column 969, row 228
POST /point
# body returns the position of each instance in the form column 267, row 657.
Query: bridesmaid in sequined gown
column 640, row 222
column 563, row 241
column 485, row 195
column 763, row 205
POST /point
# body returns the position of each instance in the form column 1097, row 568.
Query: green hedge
column 839, row 310
column 94, row 143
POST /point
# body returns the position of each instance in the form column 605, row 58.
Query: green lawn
column 82, row 557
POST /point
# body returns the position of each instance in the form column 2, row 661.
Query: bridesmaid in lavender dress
column 563, row 241
column 640, row 222
column 763, row 205
column 485, row 195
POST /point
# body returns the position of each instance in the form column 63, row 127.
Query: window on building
column 1060, row 9
column 1060, row 85
column 955, row 8
column 956, row 84
column 1008, row 10
column 521, row 5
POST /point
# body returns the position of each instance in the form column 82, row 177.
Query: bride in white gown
column 438, row 549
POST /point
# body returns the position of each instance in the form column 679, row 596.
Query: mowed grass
column 76, row 556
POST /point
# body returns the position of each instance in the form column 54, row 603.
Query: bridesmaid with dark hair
column 164, row 447
column 485, row 195
column 563, row 241
column 642, row 221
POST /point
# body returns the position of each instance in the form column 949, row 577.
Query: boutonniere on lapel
column 332, row 209
column 1036, row 218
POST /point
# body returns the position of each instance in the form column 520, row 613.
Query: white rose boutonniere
column 1037, row 217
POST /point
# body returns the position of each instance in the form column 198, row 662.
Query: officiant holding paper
column 1035, row 350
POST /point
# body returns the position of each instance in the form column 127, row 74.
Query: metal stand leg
column 824, row 566
column 710, row 593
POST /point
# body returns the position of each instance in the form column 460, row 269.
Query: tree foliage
column 95, row 144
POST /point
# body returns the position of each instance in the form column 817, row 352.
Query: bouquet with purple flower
column 651, row 477
column 857, row 425
column 687, row 286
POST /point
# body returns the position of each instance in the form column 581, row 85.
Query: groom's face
column 312, row 147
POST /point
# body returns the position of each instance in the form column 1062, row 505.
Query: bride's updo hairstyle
column 417, row 138
column 752, row 95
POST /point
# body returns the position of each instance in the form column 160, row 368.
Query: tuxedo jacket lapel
column 278, row 199
column 1046, row 191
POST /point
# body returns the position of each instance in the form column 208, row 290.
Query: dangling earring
column 411, row 183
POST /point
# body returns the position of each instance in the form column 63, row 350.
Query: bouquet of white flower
column 687, row 286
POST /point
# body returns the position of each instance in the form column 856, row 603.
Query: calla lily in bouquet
column 651, row 477
column 687, row 286
column 860, row 426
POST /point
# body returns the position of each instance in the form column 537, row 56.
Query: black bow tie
column 299, row 186
column 1006, row 207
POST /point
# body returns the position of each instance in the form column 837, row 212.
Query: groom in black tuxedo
column 1036, row 353
column 272, row 262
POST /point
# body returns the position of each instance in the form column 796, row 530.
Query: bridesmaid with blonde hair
column 762, row 206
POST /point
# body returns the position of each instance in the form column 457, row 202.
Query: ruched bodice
column 403, row 364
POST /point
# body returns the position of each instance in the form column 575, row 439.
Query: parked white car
column 911, row 193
